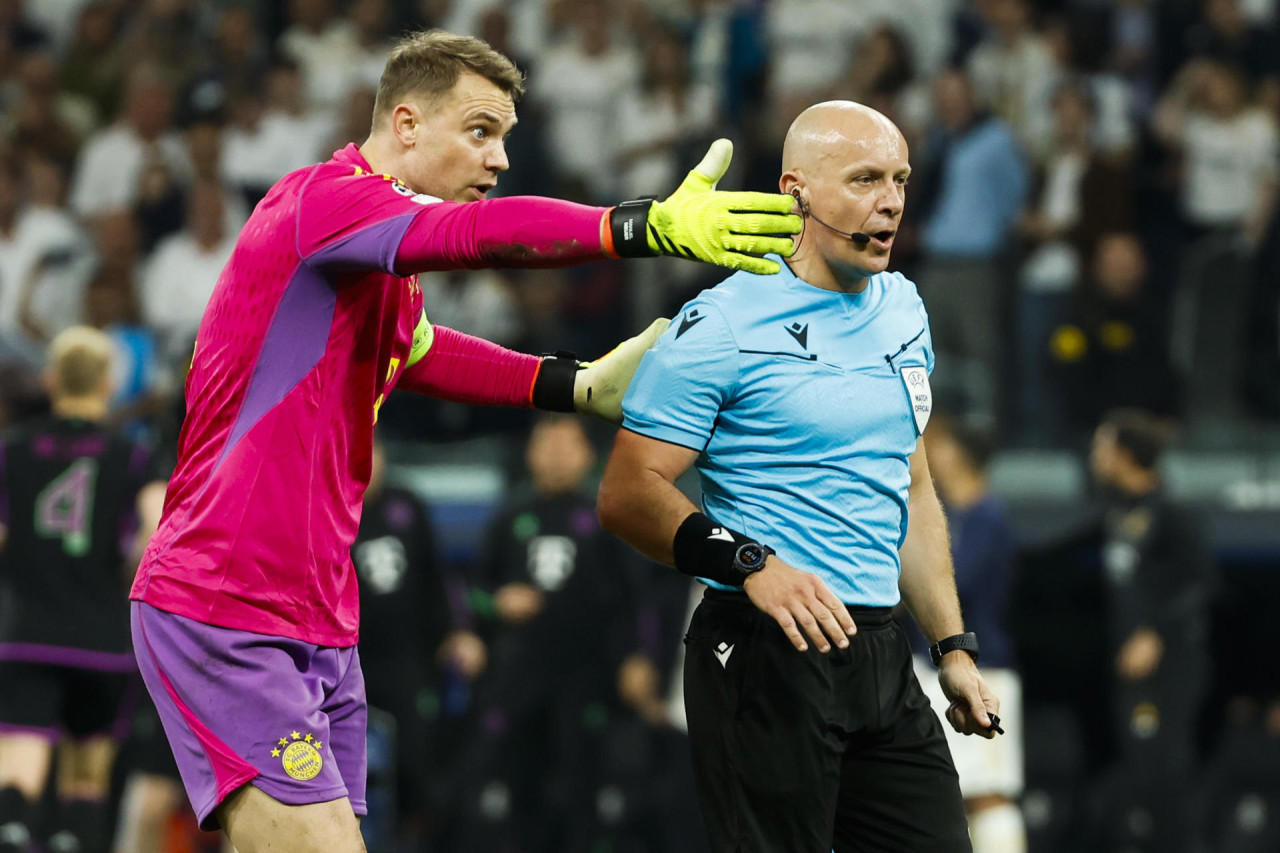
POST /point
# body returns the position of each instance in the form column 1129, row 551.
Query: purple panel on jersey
column 375, row 246
column 294, row 344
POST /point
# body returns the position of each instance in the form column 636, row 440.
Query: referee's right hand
column 799, row 600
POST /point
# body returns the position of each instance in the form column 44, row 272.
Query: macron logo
column 721, row 534
column 722, row 653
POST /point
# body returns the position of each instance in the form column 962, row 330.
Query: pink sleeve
column 522, row 231
column 354, row 222
column 467, row 369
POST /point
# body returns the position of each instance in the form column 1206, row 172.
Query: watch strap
column 966, row 642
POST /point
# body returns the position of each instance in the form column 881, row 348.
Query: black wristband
column 966, row 642
column 704, row 549
column 553, row 389
column 629, row 224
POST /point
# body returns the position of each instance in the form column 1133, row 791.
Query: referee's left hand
column 972, row 702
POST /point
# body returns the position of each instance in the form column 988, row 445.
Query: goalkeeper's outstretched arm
column 450, row 365
column 697, row 222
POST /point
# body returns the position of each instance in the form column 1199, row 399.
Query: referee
column 801, row 398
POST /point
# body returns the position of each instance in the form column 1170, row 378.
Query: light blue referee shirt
column 806, row 405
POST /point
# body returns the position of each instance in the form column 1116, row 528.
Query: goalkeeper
column 245, row 605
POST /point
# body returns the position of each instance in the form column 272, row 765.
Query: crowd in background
column 1091, row 215
column 1092, row 221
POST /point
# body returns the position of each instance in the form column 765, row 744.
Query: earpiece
column 856, row 236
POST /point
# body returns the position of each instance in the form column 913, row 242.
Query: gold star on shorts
column 308, row 737
column 284, row 741
column 319, row 745
column 295, row 736
column 275, row 753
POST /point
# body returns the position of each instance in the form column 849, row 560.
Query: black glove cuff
column 704, row 549
column 629, row 223
column 553, row 389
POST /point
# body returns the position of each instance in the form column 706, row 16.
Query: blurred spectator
column 1013, row 71
column 408, row 634
column 556, row 586
column 90, row 67
column 45, row 119
column 1080, row 195
column 43, row 265
column 236, row 65
column 16, row 30
column 1111, row 350
column 975, row 183
column 353, row 121
column 323, row 46
column 1073, row 42
column 112, row 164
column 1134, row 51
column 1156, row 571
column 665, row 123
column 111, row 304
column 162, row 34
column 810, row 42
column 205, row 147
column 577, row 85
column 371, row 20
column 273, row 134
column 180, row 275
column 882, row 75
column 1225, row 34
column 982, row 550
column 478, row 302
column 1230, row 158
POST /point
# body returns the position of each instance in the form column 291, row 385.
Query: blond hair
column 427, row 63
column 79, row 361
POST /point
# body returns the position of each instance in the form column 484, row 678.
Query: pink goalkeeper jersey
column 306, row 333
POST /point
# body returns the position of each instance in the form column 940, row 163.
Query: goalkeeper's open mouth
column 480, row 191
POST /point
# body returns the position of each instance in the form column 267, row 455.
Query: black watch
column 750, row 558
column 966, row 642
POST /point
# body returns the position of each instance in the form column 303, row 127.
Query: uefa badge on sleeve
column 916, row 381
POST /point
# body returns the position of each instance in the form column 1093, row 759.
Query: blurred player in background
column 1158, row 576
column 556, row 589
column 801, row 398
column 407, row 635
column 315, row 319
column 67, row 490
column 982, row 551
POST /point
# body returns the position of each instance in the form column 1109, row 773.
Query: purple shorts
column 240, row 707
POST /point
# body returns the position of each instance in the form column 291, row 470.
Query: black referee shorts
column 801, row 752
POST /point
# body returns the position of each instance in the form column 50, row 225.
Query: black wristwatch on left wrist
column 750, row 558
column 966, row 642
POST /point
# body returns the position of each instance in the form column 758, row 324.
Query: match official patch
column 916, row 381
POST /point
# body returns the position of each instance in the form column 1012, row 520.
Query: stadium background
column 1122, row 223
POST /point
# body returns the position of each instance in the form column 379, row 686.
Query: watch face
column 751, row 556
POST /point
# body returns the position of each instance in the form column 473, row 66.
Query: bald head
column 838, row 131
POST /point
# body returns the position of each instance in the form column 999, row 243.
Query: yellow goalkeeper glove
column 700, row 223
column 600, row 385
column 595, row 388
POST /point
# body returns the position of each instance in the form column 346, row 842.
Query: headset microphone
column 856, row 236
